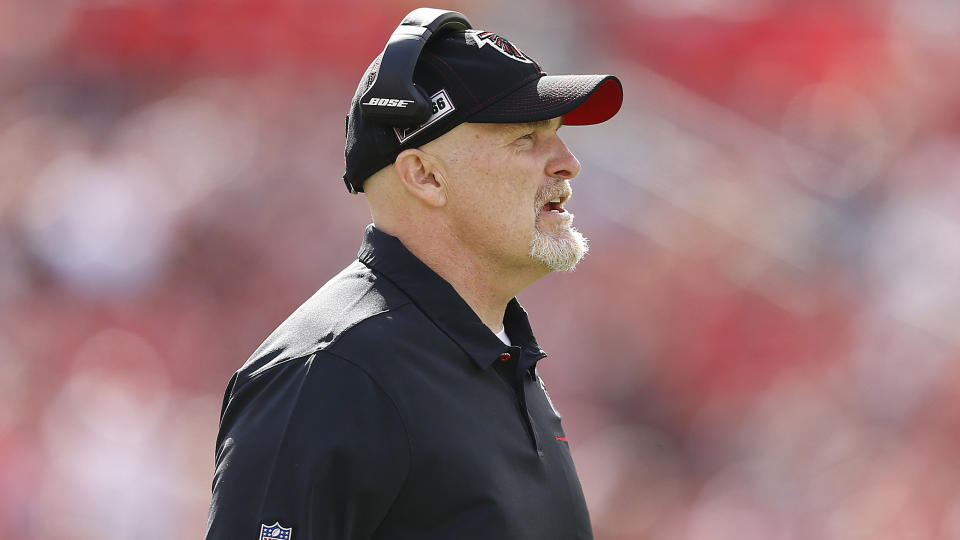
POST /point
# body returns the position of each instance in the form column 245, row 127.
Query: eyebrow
column 540, row 123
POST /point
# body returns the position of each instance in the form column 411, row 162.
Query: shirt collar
column 443, row 305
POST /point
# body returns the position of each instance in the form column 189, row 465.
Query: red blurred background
column 762, row 343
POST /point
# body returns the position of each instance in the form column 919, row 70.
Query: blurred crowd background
column 763, row 343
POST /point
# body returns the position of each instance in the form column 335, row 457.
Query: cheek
column 504, row 218
column 496, row 194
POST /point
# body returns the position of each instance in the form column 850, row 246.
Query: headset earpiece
column 394, row 99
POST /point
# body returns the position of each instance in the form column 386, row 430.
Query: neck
column 485, row 286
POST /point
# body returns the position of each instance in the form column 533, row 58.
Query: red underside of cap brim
column 600, row 105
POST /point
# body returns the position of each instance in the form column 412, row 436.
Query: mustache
column 558, row 190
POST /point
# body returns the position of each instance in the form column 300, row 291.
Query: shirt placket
column 517, row 367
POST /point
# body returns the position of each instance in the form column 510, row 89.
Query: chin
column 559, row 251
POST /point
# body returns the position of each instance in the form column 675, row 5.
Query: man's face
column 507, row 185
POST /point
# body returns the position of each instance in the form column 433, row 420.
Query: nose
column 562, row 163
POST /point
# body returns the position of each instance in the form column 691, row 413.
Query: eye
column 528, row 136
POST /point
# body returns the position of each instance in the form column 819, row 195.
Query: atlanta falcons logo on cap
column 505, row 48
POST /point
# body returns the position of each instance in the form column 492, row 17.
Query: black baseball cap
column 474, row 76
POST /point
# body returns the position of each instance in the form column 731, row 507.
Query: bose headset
column 394, row 99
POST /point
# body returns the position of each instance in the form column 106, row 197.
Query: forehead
column 552, row 123
column 473, row 136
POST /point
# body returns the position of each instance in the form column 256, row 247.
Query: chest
column 488, row 446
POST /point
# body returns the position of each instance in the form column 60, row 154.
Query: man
column 402, row 400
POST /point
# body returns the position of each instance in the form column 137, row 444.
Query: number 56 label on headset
column 440, row 106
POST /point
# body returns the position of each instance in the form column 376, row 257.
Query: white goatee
column 559, row 251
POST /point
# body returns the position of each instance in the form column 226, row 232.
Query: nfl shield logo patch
column 275, row 532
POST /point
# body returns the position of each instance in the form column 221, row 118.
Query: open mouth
column 555, row 205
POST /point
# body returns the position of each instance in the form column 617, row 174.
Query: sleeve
column 314, row 445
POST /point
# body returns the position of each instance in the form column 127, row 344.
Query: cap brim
column 580, row 99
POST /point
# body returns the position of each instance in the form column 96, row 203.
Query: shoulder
column 359, row 316
column 291, row 396
column 355, row 295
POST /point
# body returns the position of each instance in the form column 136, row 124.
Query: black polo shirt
column 384, row 408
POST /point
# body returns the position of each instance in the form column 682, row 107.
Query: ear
column 422, row 176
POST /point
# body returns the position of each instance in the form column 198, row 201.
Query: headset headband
column 393, row 98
